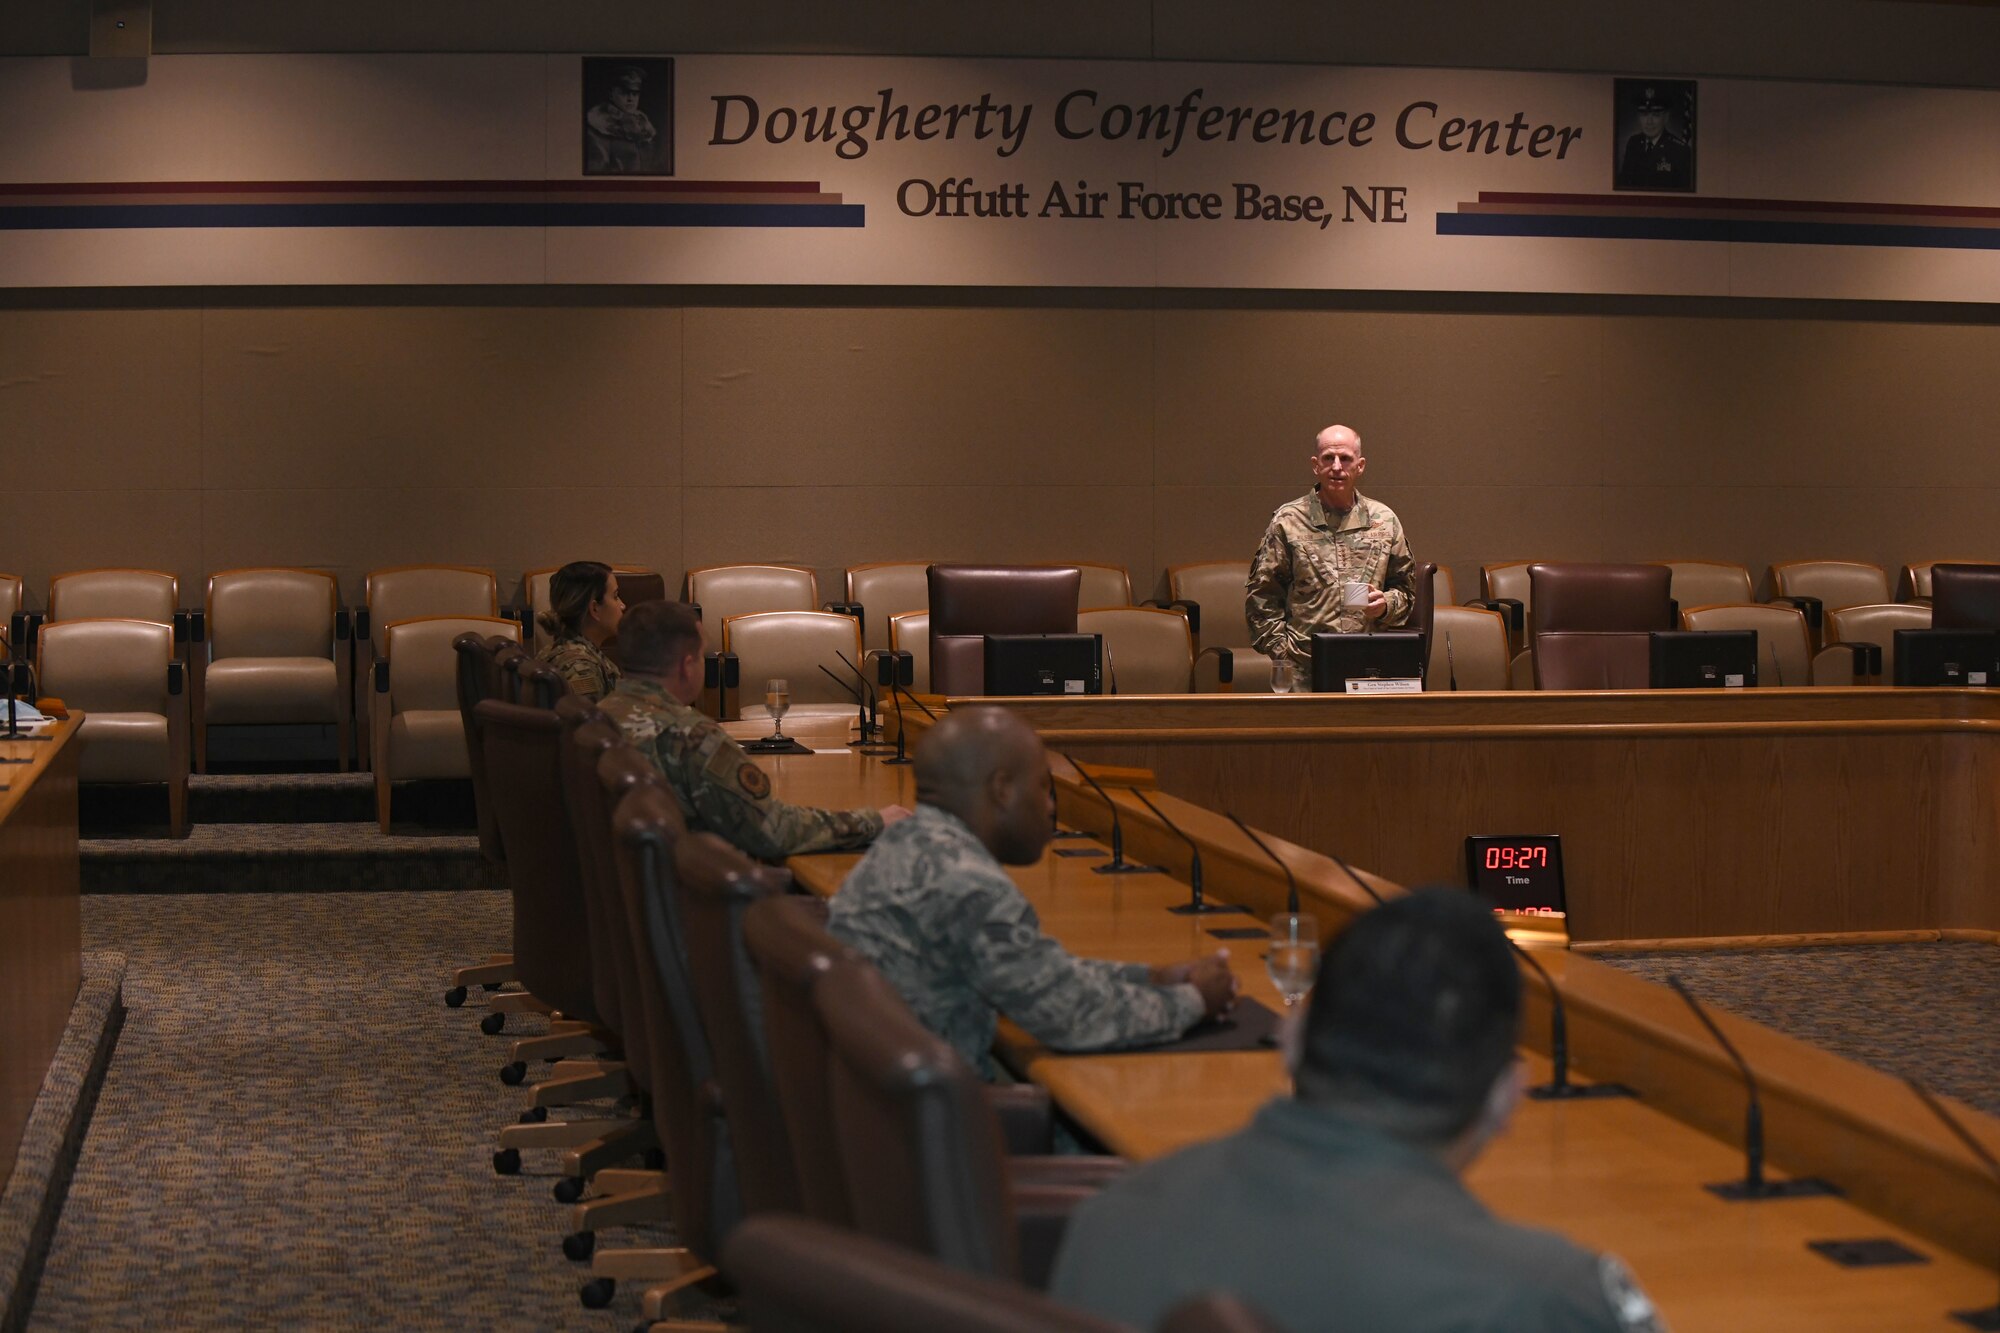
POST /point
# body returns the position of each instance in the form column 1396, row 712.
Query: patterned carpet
column 1928, row 1011
column 295, row 1131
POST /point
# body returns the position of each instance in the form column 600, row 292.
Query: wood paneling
column 41, row 929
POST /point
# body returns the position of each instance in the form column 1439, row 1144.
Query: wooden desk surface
column 1685, row 814
column 1620, row 1175
column 41, row 929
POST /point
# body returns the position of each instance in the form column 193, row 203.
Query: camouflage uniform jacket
column 718, row 787
column 583, row 664
column 1306, row 555
column 932, row 908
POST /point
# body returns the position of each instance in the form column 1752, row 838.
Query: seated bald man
column 933, row 907
column 718, row 787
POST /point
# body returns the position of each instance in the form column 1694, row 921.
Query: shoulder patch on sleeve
column 1630, row 1305
column 753, row 780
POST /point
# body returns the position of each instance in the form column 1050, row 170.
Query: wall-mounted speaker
column 121, row 29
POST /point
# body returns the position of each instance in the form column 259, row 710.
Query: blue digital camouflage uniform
column 1307, row 555
column 1327, row 1225
column 583, row 664
column 932, row 908
column 718, row 787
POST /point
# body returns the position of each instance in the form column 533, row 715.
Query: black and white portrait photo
column 628, row 116
column 1655, row 135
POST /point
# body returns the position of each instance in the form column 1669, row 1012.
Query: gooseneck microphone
column 1291, row 881
column 1753, row 1186
column 1450, row 663
column 889, row 668
column 1559, row 1088
column 871, row 708
column 1117, row 865
column 1197, row 903
column 1989, row 1317
column 1056, row 830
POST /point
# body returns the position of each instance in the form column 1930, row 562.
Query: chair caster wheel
column 597, row 1293
column 454, row 997
column 578, row 1246
column 569, row 1189
column 493, row 1024
column 656, row 1159
column 507, row 1161
column 535, row 1115
column 512, row 1074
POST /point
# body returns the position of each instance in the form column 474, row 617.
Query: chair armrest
column 1225, row 663
column 382, row 676
column 1813, row 607
column 1853, row 661
column 176, row 678
column 1509, row 607
column 523, row 615
column 843, row 608
column 17, row 635
column 361, row 627
column 181, row 627
column 1192, row 610
column 1027, row 1120
column 720, row 671
column 1041, row 1216
column 343, row 624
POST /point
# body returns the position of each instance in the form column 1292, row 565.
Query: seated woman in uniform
column 584, row 611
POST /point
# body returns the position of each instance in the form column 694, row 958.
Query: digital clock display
column 1520, row 873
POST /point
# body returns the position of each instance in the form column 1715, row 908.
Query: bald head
column 1337, row 465
column 988, row 767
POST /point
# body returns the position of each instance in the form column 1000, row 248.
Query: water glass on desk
column 778, row 700
column 1294, row 956
column 1284, row 676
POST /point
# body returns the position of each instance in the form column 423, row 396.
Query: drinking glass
column 1294, row 956
column 1282, row 677
column 777, row 699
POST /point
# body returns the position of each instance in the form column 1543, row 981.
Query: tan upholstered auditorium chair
column 883, row 590
column 1147, row 650
column 12, row 592
column 793, row 646
column 1709, row 583
column 722, row 591
column 1831, row 585
column 1784, row 646
column 124, row 677
column 407, row 592
column 129, row 594
column 1876, row 624
column 1103, row 585
column 1444, row 586
column 278, row 650
column 1914, row 584
column 413, row 701
column 911, row 633
column 535, row 596
column 1502, row 585
column 1468, row 644
column 1218, row 587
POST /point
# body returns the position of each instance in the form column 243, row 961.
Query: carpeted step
column 285, row 858
column 274, row 798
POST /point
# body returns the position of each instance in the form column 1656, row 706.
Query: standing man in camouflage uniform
column 718, row 787
column 1319, row 543
column 1340, row 1209
column 932, row 906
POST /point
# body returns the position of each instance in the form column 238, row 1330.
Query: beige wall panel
column 938, row 397
column 1681, row 402
column 1243, row 392
column 831, row 527
column 1192, row 524
column 102, row 400
column 1697, row 522
column 506, row 529
column 440, row 397
column 1469, row 526
column 1505, row 400
column 53, row 532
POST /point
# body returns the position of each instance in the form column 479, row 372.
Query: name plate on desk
column 1385, row 685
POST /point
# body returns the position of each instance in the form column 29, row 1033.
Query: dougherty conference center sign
column 862, row 170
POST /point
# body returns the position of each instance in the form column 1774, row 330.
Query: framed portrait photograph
column 628, row 116
column 1654, row 143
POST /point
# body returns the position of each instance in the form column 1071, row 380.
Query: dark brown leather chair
column 921, row 1147
column 686, row 1104
column 1591, row 624
column 1965, row 596
column 479, row 677
column 968, row 602
column 1423, row 606
column 801, row 1276
column 716, row 885
column 522, row 750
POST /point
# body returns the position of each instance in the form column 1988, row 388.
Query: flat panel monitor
column 1044, row 664
column 1702, row 659
column 1396, row 654
column 1946, row 656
